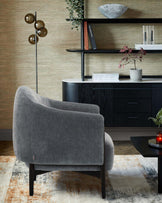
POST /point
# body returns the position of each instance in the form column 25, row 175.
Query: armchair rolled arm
column 64, row 137
column 92, row 108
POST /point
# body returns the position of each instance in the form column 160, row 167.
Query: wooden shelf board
column 111, row 51
column 121, row 20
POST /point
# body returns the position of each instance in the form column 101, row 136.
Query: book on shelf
column 86, row 43
column 91, row 37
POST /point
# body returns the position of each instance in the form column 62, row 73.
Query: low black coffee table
column 141, row 144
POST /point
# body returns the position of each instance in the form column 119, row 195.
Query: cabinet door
column 132, row 119
column 132, row 105
column 85, row 93
column 102, row 96
column 156, row 98
column 123, row 105
column 70, row 92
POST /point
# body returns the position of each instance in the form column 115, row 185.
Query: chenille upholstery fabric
column 56, row 135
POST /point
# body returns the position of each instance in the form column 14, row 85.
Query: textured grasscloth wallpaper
column 17, row 56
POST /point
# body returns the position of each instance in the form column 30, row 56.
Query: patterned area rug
column 133, row 179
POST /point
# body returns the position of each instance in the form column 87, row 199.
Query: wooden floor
column 6, row 148
column 121, row 147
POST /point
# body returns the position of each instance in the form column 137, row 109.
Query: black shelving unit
column 108, row 51
column 111, row 51
column 121, row 20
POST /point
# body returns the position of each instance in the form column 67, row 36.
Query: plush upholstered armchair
column 52, row 135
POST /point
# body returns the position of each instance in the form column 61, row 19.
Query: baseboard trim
column 117, row 133
column 5, row 134
column 124, row 133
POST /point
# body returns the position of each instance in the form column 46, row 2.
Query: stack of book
column 101, row 77
column 88, row 35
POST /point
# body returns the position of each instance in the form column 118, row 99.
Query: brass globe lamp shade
column 29, row 18
column 39, row 24
column 33, row 39
column 42, row 32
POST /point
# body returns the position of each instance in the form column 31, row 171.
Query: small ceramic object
column 112, row 10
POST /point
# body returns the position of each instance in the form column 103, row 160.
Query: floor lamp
column 40, row 31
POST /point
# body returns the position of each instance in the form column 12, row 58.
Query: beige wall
column 17, row 56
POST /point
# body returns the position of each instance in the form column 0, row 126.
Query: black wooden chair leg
column 103, row 181
column 31, row 179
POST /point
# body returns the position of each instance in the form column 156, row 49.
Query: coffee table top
column 141, row 144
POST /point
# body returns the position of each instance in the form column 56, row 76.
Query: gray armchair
column 51, row 135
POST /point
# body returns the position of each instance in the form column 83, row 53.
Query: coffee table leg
column 160, row 174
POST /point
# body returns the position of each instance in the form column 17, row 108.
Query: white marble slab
column 148, row 46
column 144, row 80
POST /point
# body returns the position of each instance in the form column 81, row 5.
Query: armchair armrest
column 64, row 137
column 72, row 106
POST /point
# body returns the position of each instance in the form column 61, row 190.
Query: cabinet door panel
column 70, row 92
column 132, row 92
column 156, row 98
column 131, row 120
column 85, row 94
column 103, row 98
column 132, row 105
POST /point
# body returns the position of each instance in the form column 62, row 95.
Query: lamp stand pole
column 36, row 55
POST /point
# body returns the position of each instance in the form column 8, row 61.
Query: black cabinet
column 121, row 104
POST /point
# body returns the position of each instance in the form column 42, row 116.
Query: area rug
column 132, row 179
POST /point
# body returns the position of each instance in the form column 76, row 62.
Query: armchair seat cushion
column 109, row 158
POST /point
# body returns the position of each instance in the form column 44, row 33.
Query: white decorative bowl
column 112, row 10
